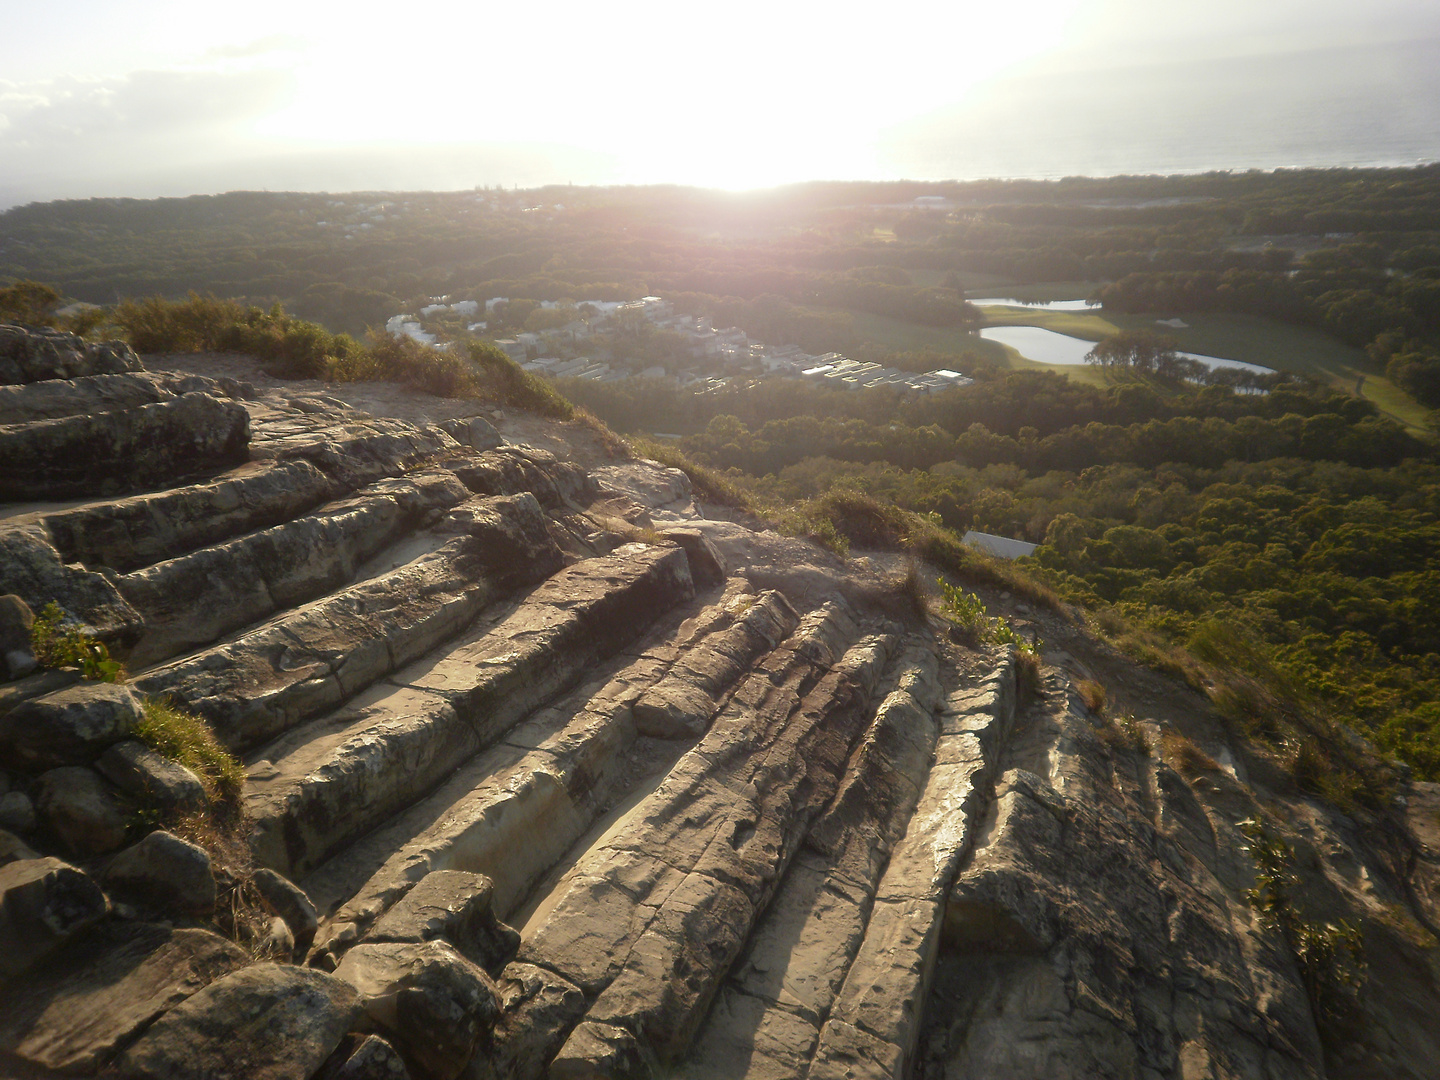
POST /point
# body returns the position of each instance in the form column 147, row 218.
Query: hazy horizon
column 159, row 99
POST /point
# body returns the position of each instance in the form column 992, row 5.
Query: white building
column 1002, row 546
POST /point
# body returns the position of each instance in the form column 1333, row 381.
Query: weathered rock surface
column 17, row 658
column 473, row 431
column 706, row 563
column 265, row 1022
column 32, row 354
column 454, row 906
column 17, row 812
column 295, row 667
column 93, row 997
column 681, row 704
column 596, row 1050
column 322, row 785
column 131, row 533
column 82, row 810
column 289, row 902
column 69, row 727
column 54, row 398
column 372, row 1059
column 193, row 599
column 43, row 904
column 12, row 848
column 150, row 778
column 122, row 450
column 537, row 1009
column 435, row 1002
column 33, row 570
column 166, row 872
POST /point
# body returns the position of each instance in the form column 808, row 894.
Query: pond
column 1048, row 347
column 1037, row 305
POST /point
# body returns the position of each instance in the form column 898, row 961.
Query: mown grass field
column 1254, row 340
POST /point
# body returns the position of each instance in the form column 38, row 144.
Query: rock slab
column 265, row 1022
column 43, row 903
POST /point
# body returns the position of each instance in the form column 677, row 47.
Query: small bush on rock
column 1327, row 954
column 966, row 611
column 60, row 643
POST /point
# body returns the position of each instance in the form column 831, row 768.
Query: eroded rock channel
column 549, row 775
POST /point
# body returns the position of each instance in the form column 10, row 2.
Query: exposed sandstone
column 97, row 994
column 165, row 872
column 123, row 450
column 454, row 906
column 435, row 1002
column 71, row 726
column 289, row 903
column 32, row 354
column 760, row 835
column 43, row 904
column 265, row 1022
column 372, row 1059
column 151, row 778
column 84, row 811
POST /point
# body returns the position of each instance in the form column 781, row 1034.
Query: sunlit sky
column 151, row 97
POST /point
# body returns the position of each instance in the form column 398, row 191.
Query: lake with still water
column 1048, row 347
column 1039, row 305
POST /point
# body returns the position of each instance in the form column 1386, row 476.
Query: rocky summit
column 551, row 770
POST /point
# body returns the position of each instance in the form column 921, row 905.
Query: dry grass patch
column 1182, row 755
column 1125, row 734
column 1093, row 695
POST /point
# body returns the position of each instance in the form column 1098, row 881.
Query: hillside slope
column 582, row 779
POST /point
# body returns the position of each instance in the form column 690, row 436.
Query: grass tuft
column 1184, row 756
column 1029, row 685
column 187, row 739
column 1093, row 695
column 914, row 590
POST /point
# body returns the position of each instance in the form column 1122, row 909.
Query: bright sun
column 741, row 95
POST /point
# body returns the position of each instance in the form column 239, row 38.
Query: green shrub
column 28, row 302
column 1004, row 633
column 966, row 612
column 60, row 643
column 1328, row 955
column 516, row 386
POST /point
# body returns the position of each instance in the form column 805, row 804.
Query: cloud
column 66, row 114
column 1370, row 104
column 265, row 46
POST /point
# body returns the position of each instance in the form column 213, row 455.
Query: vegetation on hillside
column 293, row 348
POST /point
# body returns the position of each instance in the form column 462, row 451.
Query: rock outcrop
column 30, row 354
column 548, row 775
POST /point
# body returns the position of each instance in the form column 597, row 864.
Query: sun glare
column 737, row 96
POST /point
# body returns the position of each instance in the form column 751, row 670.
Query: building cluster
column 584, row 348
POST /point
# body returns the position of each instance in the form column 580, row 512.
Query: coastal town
column 700, row 356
